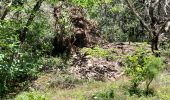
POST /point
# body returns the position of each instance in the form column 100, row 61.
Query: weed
column 104, row 95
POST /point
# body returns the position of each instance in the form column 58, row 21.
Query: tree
column 23, row 31
column 155, row 19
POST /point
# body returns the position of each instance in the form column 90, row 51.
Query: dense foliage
column 30, row 30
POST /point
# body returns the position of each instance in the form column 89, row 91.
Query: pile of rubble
column 92, row 68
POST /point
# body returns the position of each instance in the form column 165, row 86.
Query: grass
column 83, row 92
column 94, row 89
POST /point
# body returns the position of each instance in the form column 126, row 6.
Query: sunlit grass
column 85, row 91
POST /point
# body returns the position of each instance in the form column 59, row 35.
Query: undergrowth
column 32, row 96
column 142, row 67
column 117, row 90
column 107, row 94
column 100, row 52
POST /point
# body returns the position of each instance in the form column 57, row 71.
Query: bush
column 16, row 66
column 104, row 95
column 142, row 67
column 32, row 96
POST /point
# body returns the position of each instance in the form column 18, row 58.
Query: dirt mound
column 87, row 67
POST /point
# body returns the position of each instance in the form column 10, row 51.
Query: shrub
column 16, row 66
column 104, row 95
column 142, row 67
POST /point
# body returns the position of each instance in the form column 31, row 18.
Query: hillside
column 84, row 50
column 96, row 76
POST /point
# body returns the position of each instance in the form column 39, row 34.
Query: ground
column 67, row 86
column 86, row 90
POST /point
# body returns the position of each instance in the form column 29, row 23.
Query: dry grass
column 85, row 91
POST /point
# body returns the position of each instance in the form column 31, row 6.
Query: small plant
column 32, row 96
column 104, row 95
column 98, row 52
column 142, row 67
column 153, row 67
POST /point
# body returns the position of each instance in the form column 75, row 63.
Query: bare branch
column 166, row 4
column 137, row 15
column 162, row 29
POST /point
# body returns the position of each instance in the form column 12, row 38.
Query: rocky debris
column 91, row 68
column 121, row 48
column 87, row 67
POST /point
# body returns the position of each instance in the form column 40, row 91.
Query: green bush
column 142, row 67
column 104, row 95
column 32, row 96
column 16, row 66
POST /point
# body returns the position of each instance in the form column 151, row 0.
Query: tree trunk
column 154, row 45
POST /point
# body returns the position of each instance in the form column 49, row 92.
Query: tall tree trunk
column 24, row 30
